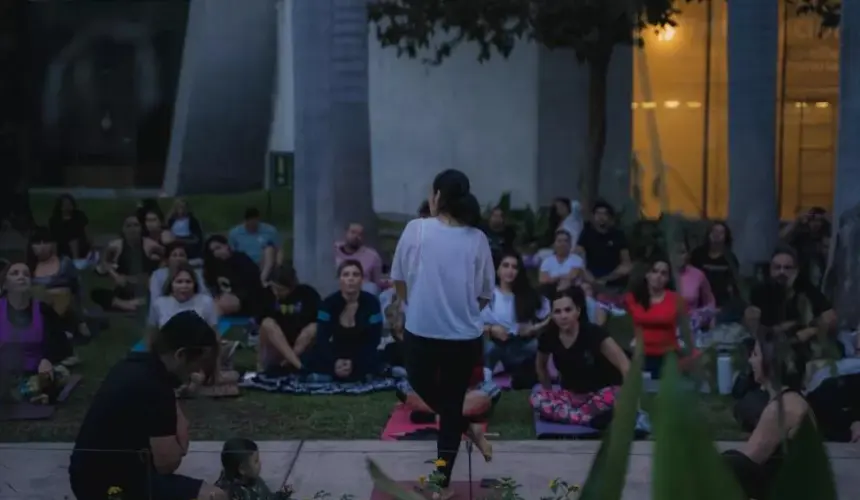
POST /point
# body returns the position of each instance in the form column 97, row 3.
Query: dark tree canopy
column 590, row 27
column 830, row 11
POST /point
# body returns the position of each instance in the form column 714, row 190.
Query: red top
column 659, row 323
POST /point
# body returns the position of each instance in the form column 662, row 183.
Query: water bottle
column 724, row 374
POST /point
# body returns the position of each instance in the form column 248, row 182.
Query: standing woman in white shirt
column 443, row 270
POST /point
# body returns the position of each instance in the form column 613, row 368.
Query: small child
column 240, row 477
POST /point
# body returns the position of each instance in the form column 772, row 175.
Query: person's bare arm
column 579, row 250
column 768, row 432
column 610, row 349
column 542, row 370
column 825, row 323
column 600, row 316
column 546, row 279
column 622, row 270
column 788, row 230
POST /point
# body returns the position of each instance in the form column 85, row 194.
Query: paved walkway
column 37, row 471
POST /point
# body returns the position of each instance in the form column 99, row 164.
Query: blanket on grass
column 314, row 384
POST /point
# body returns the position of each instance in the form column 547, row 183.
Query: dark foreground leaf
column 806, row 472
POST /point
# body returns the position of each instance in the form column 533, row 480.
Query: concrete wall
column 224, row 104
column 517, row 125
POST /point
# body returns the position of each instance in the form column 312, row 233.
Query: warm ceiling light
column 671, row 104
column 634, row 105
column 666, row 34
column 800, row 105
column 694, row 104
column 649, row 105
column 822, row 105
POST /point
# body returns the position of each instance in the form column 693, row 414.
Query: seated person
column 288, row 324
column 155, row 231
column 809, row 236
column 596, row 313
column 514, row 316
column 135, row 408
column 232, row 278
column 186, row 228
column 59, row 278
column 654, row 308
column 349, row 329
column 68, row 224
column 182, row 291
column 590, row 364
column 604, row 248
column 176, row 253
column 563, row 268
column 240, row 473
column 353, row 248
column 720, row 265
column 32, row 342
column 756, row 463
column 128, row 260
column 788, row 304
column 500, row 235
column 258, row 240
column 696, row 291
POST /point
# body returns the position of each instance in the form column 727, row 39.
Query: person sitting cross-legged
column 590, row 364
column 604, row 248
column 563, row 268
column 349, row 329
column 288, row 324
column 135, row 408
column 258, row 240
column 232, row 277
column 513, row 318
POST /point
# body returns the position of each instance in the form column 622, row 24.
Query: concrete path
column 37, row 471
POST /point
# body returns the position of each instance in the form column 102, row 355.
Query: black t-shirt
column 135, row 402
column 776, row 308
column 582, row 366
column 67, row 230
column 239, row 276
column 501, row 241
column 602, row 250
column 718, row 270
column 295, row 311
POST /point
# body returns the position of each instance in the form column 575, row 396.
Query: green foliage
column 806, row 471
column 590, row 27
column 830, row 11
column 686, row 463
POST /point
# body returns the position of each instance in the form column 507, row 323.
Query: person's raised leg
column 227, row 304
column 423, row 364
column 273, row 339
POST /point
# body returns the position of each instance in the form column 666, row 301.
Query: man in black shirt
column 500, row 236
column 787, row 303
column 604, row 248
column 288, row 322
column 134, row 435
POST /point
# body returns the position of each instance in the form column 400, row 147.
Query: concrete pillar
column 220, row 135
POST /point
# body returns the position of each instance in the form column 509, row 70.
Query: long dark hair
column 212, row 264
column 39, row 235
column 729, row 238
column 456, row 199
column 555, row 218
column 181, row 268
column 527, row 301
column 57, row 212
column 640, row 287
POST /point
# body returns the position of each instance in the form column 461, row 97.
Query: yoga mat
column 503, row 380
column 224, row 325
column 29, row 411
column 463, row 490
column 555, row 430
column 399, row 425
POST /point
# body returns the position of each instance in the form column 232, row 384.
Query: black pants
column 439, row 372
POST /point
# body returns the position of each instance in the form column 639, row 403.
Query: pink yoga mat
column 399, row 425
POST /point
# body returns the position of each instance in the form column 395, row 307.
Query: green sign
column 281, row 169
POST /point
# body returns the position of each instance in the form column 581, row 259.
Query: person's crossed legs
column 275, row 349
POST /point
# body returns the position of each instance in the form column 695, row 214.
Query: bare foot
column 476, row 434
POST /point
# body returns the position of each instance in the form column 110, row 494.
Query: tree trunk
column 843, row 277
column 753, row 37
column 598, row 69
column 332, row 139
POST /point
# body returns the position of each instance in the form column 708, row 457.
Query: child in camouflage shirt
column 240, row 476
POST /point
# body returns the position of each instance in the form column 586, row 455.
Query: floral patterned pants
column 559, row 405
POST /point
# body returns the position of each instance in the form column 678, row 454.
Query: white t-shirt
column 165, row 307
column 556, row 269
column 502, row 311
column 446, row 270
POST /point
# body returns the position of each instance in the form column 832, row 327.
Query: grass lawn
column 261, row 415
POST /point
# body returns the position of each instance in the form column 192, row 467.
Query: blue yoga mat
column 224, row 326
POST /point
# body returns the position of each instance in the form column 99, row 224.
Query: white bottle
column 724, row 374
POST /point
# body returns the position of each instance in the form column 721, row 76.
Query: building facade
column 221, row 98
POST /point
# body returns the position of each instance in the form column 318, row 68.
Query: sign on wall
column 281, row 169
